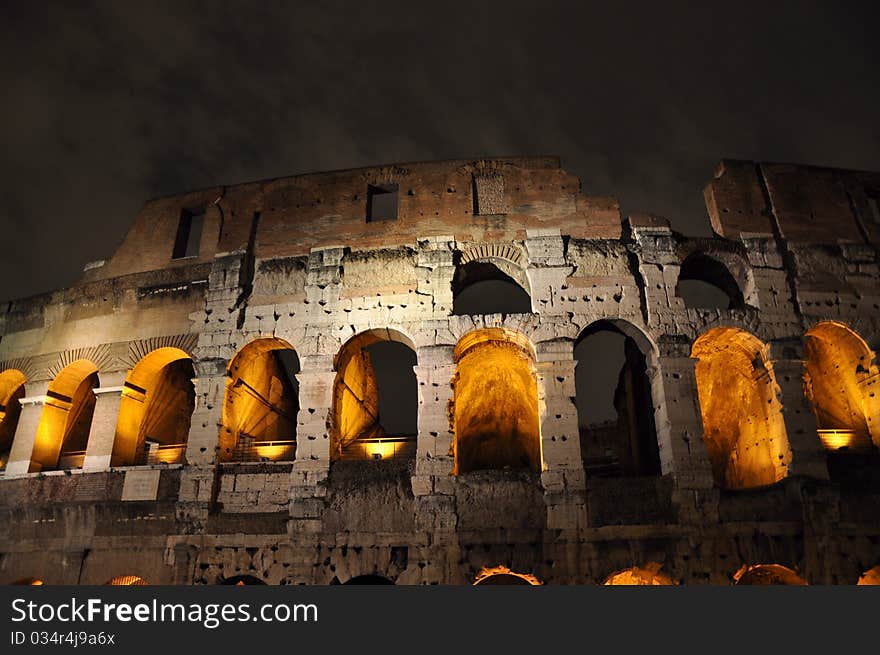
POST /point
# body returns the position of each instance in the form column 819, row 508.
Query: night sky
column 110, row 104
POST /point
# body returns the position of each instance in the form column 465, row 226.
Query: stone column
column 102, row 434
column 312, row 465
column 869, row 385
column 21, row 454
column 563, row 475
column 679, row 425
column 808, row 456
column 434, row 461
column 204, row 440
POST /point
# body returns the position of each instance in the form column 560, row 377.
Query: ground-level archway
column 501, row 575
column 158, row 399
column 126, row 581
column 871, row 577
column 66, row 420
column 743, row 427
column 495, row 397
column 767, row 574
column 375, row 398
column 261, row 403
column 615, row 408
column 648, row 575
column 369, row 579
column 11, row 391
column 242, row 581
column 842, row 382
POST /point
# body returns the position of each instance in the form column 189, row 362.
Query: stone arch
column 12, row 390
column 66, row 419
column 261, row 403
column 624, row 444
column 157, row 403
column 648, row 575
column 375, row 409
column 501, row 575
column 242, row 581
column 705, row 280
column 840, row 376
column 29, row 582
column 871, row 577
column 495, row 402
column 369, row 579
column 767, row 574
column 743, row 427
column 490, row 279
column 126, row 581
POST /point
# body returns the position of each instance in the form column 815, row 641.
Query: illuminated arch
column 261, row 403
column 242, row 581
column 158, row 399
column 63, row 432
column 11, row 391
column 126, row 581
column 501, row 575
column 618, row 440
column 871, row 577
column 495, row 397
column 743, row 427
column 29, row 582
column 839, row 379
column 767, row 574
column 648, row 575
column 359, row 428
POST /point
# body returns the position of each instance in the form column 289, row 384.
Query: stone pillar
column 204, row 439
column 808, row 456
column 21, row 454
column 102, row 434
column 679, row 425
column 869, row 385
column 563, row 475
column 312, row 465
column 434, row 461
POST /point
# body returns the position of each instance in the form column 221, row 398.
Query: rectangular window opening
column 874, row 205
column 382, row 202
column 189, row 233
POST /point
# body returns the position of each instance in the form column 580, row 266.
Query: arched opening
column 481, row 287
column 11, row 391
column 767, row 574
column 126, row 581
column 614, row 404
column 375, row 398
column 648, row 575
column 63, row 432
column 261, row 404
column 871, row 577
column 369, row 580
column 706, row 283
column 242, row 581
column 840, row 378
column 501, row 575
column 157, row 403
column 29, row 582
column 743, row 426
column 495, row 395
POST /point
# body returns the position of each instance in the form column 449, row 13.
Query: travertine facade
column 202, row 405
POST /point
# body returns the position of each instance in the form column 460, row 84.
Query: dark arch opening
column 482, row 288
column 11, row 391
column 375, row 398
column 706, row 283
column 369, row 580
column 615, row 409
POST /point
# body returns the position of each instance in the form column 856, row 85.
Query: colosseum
column 380, row 376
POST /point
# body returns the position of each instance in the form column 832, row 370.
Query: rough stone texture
column 294, row 260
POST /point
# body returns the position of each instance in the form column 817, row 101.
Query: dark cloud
column 108, row 104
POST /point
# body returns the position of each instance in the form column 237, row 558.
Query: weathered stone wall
column 296, row 261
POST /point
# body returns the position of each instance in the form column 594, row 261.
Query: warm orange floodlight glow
column 649, row 575
column 126, row 581
column 767, row 574
column 743, row 426
column 501, row 575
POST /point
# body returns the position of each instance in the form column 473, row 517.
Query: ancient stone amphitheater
column 207, row 406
